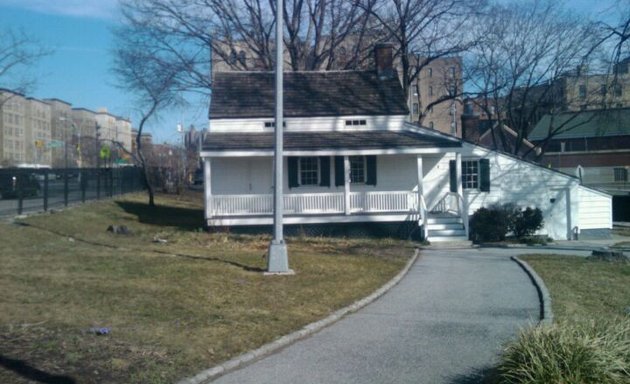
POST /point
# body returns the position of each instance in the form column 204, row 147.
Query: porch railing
column 315, row 203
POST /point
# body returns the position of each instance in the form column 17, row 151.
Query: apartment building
column 50, row 132
column 24, row 130
column 433, row 95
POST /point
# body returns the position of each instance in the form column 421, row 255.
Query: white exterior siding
column 595, row 209
column 241, row 175
column 308, row 124
column 527, row 185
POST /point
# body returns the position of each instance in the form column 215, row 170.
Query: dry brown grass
column 172, row 308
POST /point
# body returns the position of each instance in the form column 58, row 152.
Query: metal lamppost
column 278, row 260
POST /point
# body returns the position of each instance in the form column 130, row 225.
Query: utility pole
column 278, row 260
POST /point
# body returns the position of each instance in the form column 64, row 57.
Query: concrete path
column 444, row 323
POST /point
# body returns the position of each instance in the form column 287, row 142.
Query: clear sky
column 78, row 71
column 79, row 32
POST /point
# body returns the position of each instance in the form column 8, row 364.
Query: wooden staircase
column 446, row 228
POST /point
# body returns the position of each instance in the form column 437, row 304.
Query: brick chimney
column 384, row 58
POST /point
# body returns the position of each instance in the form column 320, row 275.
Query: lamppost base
column 278, row 260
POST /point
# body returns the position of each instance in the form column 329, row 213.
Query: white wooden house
column 351, row 157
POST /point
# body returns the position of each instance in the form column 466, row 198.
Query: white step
column 434, row 227
column 444, row 220
column 442, row 239
column 460, row 232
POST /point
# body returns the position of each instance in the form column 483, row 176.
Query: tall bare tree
column 140, row 69
column 18, row 53
column 525, row 52
column 425, row 30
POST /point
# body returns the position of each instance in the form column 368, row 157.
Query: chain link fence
column 24, row 190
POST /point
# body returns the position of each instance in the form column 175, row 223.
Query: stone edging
column 546, row 315
column 267, row 349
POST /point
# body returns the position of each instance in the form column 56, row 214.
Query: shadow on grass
column 183, row 218
column 486, row 375
column 32, row 373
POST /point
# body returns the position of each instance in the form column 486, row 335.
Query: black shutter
column 484, row 175
column 371, row 170
column 452, row 168
column 293, row 172
column 324, row 164
column 339, row 179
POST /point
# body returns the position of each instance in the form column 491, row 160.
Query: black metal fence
column 25, row 190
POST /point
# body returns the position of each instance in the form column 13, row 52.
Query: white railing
column 315, row 203
column 383, row 201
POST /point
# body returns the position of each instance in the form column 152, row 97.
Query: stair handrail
column 425, row 219
column 442, row 201
column 462, row 206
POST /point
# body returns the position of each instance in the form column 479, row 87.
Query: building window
column 452, row 71
column 272, row 124
column 430, row 72
column 309, row 171
column 356, row 122
column 603, row 89
column 415, row 108
column 582, row 91
column 470, row 174
column 357, row 170
column 431, row 124
column 618, row 90
column 621, row 175
column 430, row 90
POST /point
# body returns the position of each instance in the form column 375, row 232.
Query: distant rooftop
column 580, row 124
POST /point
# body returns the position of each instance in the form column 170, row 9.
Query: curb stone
column 284, row 341
column 546, row 314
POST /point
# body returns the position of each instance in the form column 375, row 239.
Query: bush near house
column 497, row 221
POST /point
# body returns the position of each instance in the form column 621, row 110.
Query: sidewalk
column 444, row 323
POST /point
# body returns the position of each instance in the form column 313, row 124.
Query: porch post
column 461, row 201
column 346, row 184
column 420, row 180
column 421, row 206
column 207, row 180
column 458, row 173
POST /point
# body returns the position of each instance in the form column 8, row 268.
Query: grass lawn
column 584, row 289
column 172, row 308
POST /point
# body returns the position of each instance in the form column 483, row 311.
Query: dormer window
column 356, row 122
column 272, row 124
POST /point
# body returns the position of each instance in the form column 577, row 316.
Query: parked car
column 11, row 183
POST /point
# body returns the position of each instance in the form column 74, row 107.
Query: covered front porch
column 336, row 188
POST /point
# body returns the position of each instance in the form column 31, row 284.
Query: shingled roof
column 306, row 94
column 313, row 141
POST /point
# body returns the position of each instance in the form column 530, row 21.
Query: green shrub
column 570, row 353
column 495, row 222
column 526, row 222
column 489, row 224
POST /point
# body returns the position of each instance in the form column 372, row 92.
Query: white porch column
column 346, row 184
column 458, row 173
column 207, row 180
column 421, row 209
column 420, row 181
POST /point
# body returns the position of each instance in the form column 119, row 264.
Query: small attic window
column 272, row 124
column 356, row 122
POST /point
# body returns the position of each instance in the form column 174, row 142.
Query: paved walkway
column 444, row 323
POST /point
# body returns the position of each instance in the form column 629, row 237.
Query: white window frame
column 319, row 171
column 620, row 175
column 356, row 159
column 470, row 180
